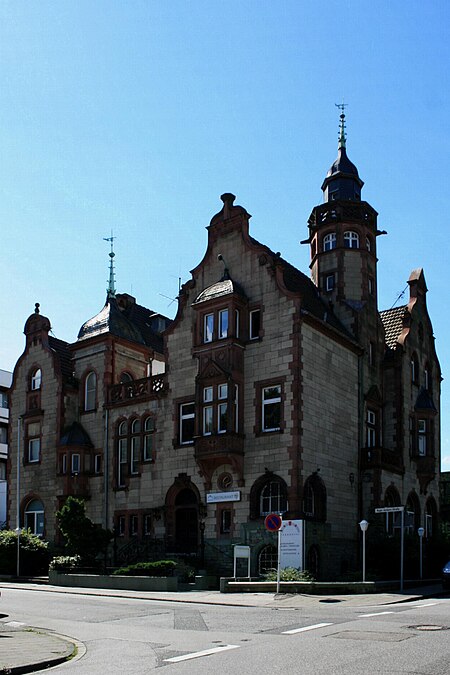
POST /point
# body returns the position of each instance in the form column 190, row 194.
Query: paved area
column 24, row 649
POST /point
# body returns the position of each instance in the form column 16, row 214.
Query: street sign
column 291, row 544
column 273, row 522
column 390, row 509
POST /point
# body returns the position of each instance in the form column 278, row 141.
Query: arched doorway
column 186, row 521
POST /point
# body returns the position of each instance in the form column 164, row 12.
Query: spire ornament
column 111, row 290
column 342, row 134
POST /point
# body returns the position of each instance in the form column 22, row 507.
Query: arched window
column 329, row 241
column 122, row 454
column 412, row 513
column 351, row 239
column 126, row 377
column 135, row 446
column 393, row 520
column 368, row 244
column 315, row 498
column 36, row 379
column 267, row 559
column 149, row 431
column 90, row 391
column 34, row 517
column 273, row 498
column 427, row 378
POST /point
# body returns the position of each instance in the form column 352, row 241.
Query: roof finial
column 342, row 134
column 111, row 290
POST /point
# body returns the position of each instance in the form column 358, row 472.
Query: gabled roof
column 61, row 350
column 392, row 320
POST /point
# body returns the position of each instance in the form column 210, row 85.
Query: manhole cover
column 429, row 627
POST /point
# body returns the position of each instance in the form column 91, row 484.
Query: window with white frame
column 90, row 392
column 34, row 441
column 149, row 432
column 34, row 517
column 371, row 429
column 422, row 437
column 329, row 241
column 187, row 423
column 135, row 446
column 236, row 322
column 215, row 409
column 75, row 463
column 134, row 525
column 271, row 408
column 122, row 454
column 368, row 244
column 223, row 324
column 351, row 239
column 208, row 327
column 121, row 526
column 147, row 525
column 36, row 379
column 273, row 498
column 329, row 283
column 97, row 464
column 254, row 324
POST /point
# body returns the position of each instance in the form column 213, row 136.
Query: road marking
column 376, row 614
column 205, row 652
column 429, row 604
column 15, row 624
column 305, row 628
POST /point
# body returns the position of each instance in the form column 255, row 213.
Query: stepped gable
column 392, row 320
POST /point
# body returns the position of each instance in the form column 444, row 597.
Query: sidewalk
column 24, row 649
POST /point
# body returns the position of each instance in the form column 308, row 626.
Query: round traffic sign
column 273, row 522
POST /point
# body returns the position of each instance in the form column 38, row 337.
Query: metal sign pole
column 402, row 546
column 279, row 561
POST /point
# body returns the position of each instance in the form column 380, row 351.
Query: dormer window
column 351, row 239
column 329, row 241
column 36, row 380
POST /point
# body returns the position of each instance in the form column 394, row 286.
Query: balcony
column 342, row 211
column 137, row 390
column 381, row 458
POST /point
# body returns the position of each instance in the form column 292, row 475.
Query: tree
column 82, row 536
column 33, row 553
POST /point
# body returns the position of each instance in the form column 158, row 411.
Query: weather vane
column 111, row 290
column 342, row 134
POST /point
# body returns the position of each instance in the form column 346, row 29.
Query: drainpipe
column 106, row 469
column 19, row 430
column 360, row 432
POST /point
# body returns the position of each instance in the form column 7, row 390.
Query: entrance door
column 186, row 522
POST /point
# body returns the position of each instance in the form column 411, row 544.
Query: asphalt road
column 136, row 636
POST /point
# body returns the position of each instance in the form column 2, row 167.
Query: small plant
column 33, row 553
column 289, row 574
column 159, row 568
column 65, row 563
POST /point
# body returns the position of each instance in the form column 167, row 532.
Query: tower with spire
column 342, row 238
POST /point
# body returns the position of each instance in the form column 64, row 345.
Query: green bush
column 33, row 553
column 65, row 563
column 82, row 537
column 289, row 574
column 159, row 568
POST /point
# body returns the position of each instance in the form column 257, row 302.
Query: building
column 5, row 383
column 270, row 391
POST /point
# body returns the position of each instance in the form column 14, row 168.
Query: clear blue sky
column 136, row 115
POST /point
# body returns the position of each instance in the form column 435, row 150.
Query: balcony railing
column 218, row 444
column 127, row 392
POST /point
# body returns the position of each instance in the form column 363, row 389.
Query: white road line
column 429, row 604
column 376, row 614
column 305, row 628
column 205, row 652
column 15, row 624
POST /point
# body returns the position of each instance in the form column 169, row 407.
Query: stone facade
column 288, row 394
